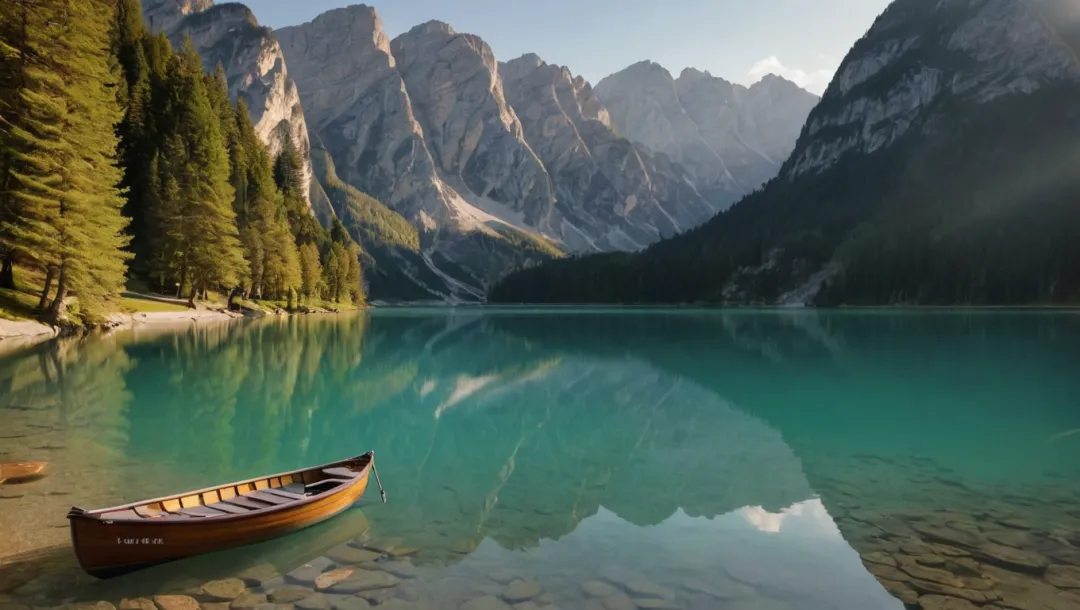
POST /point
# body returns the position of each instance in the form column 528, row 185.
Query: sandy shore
column 18, row 335
column 193, row 316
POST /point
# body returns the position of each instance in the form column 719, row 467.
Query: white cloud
column 813, row 80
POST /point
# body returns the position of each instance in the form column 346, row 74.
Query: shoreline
column 15, row 335
column 28, row 333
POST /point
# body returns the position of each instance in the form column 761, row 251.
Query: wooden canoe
column 113, row 541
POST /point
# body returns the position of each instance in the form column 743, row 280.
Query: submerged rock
column 139, row 603
column 319, row 601
column 596, row 588
column 349, row 555
column 351, row 602
column 1064, row 577
column 941, row 602
column 289, row 594
column 619, row 602
column 900, row 591
column 879, row 557
column 503, row 576
column 521, row 590
column 1012, row 559
column 365, row 580
column 247, row 601
column 401, row 569
column 488, row 602
column 256, row 576
column 176, row 602
column 223, row 590
column 329, row 579
column 933, row 588
column 932, row 574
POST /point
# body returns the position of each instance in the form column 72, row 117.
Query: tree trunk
column 7, row 272
column 61, row 293
column 44, row 302
column 183, row 277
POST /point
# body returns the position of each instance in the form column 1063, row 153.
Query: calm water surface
column 773, row 460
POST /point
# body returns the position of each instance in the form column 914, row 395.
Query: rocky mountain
column 254, row 65
column 611, row 195
column 939, row 167
column 451, row 161
column 730, row 138
column 495, row 165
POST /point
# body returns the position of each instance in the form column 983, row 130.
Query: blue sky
column 740, row 40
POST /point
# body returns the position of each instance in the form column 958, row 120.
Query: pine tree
column 288, row 174
column 269, row 246
column 331, row 279
column 311, row 269
column 62, row 176
column 354, row 279
column 15, row 28
column 136, row 131
column 202, row 245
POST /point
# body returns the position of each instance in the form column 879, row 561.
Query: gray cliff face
column 893, row 79
column 475, row 138
column 254, row 66
column 609, row 194
column 729, row 138
column 470, row 185
column 358, row 107
column 163, row 15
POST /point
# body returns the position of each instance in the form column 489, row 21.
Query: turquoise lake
column 787, row 460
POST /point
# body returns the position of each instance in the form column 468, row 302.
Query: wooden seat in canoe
column 225, row 507
column 288, row 495
column 269, row 498
column 116, row 540
column 248, row 503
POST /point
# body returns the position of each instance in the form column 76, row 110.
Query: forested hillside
column 120, row 160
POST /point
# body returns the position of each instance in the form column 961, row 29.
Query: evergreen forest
column 122, row 162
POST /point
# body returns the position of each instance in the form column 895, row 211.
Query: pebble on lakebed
column 950, row 560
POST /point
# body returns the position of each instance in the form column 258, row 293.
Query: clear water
column 732, row 459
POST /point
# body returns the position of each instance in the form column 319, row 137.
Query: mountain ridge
column 935, row 170
column 460, row 144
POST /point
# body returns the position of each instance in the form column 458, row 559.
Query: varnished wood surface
column 19, row 472
column 120, row 539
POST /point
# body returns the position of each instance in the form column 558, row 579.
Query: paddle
column 381, row 492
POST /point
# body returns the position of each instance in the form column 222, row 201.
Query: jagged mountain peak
column 163, row 15
column 728, row 142
column 231, row 13
column 350, row 13
column 647, row 66
column 433, row 26
column 693, row 74
column 775, row 81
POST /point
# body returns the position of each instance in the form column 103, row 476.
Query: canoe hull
column 110, row 548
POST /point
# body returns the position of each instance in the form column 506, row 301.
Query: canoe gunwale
column 361, row 475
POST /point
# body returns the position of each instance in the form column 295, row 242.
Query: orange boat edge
column 113, row 541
